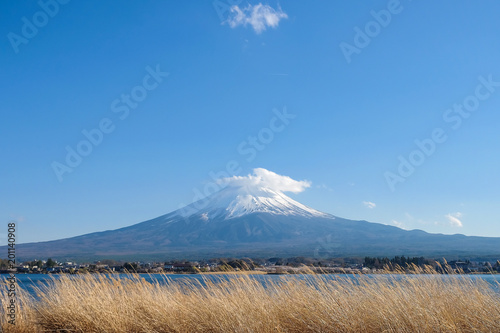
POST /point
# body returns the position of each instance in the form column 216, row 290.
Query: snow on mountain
column 237, row 201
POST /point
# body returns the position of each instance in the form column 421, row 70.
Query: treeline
column 4, row 264
column 397, row 261
column 439, row 266
column 315, row 262
column 276, row 265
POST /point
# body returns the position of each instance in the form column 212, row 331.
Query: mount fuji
column 237, row 201
column 251, row 216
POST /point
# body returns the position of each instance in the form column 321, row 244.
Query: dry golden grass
column 240, row 303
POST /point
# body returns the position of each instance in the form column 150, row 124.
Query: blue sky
column 359, row 93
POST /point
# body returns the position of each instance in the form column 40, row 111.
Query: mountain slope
column 239, row 221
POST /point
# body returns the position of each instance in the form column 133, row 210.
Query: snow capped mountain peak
column 237, row 201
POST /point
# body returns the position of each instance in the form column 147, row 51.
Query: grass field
column 408, row 303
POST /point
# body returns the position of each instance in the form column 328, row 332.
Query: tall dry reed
column 403, row 303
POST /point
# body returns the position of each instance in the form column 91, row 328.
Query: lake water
column 28, row 281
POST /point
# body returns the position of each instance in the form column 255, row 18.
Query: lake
column 29, row 281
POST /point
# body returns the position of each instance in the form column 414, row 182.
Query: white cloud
column 324, row 186
column 260, row 17
column 399, row 224
column 411, row 220
column 369, row 204
column 454, row 219
column 267, row 179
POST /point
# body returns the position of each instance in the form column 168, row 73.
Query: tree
column 4, row 264
column 130, row 266
column 497, row 266
column 51, row 263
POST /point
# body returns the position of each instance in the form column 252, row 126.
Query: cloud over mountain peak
column 262, row 178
